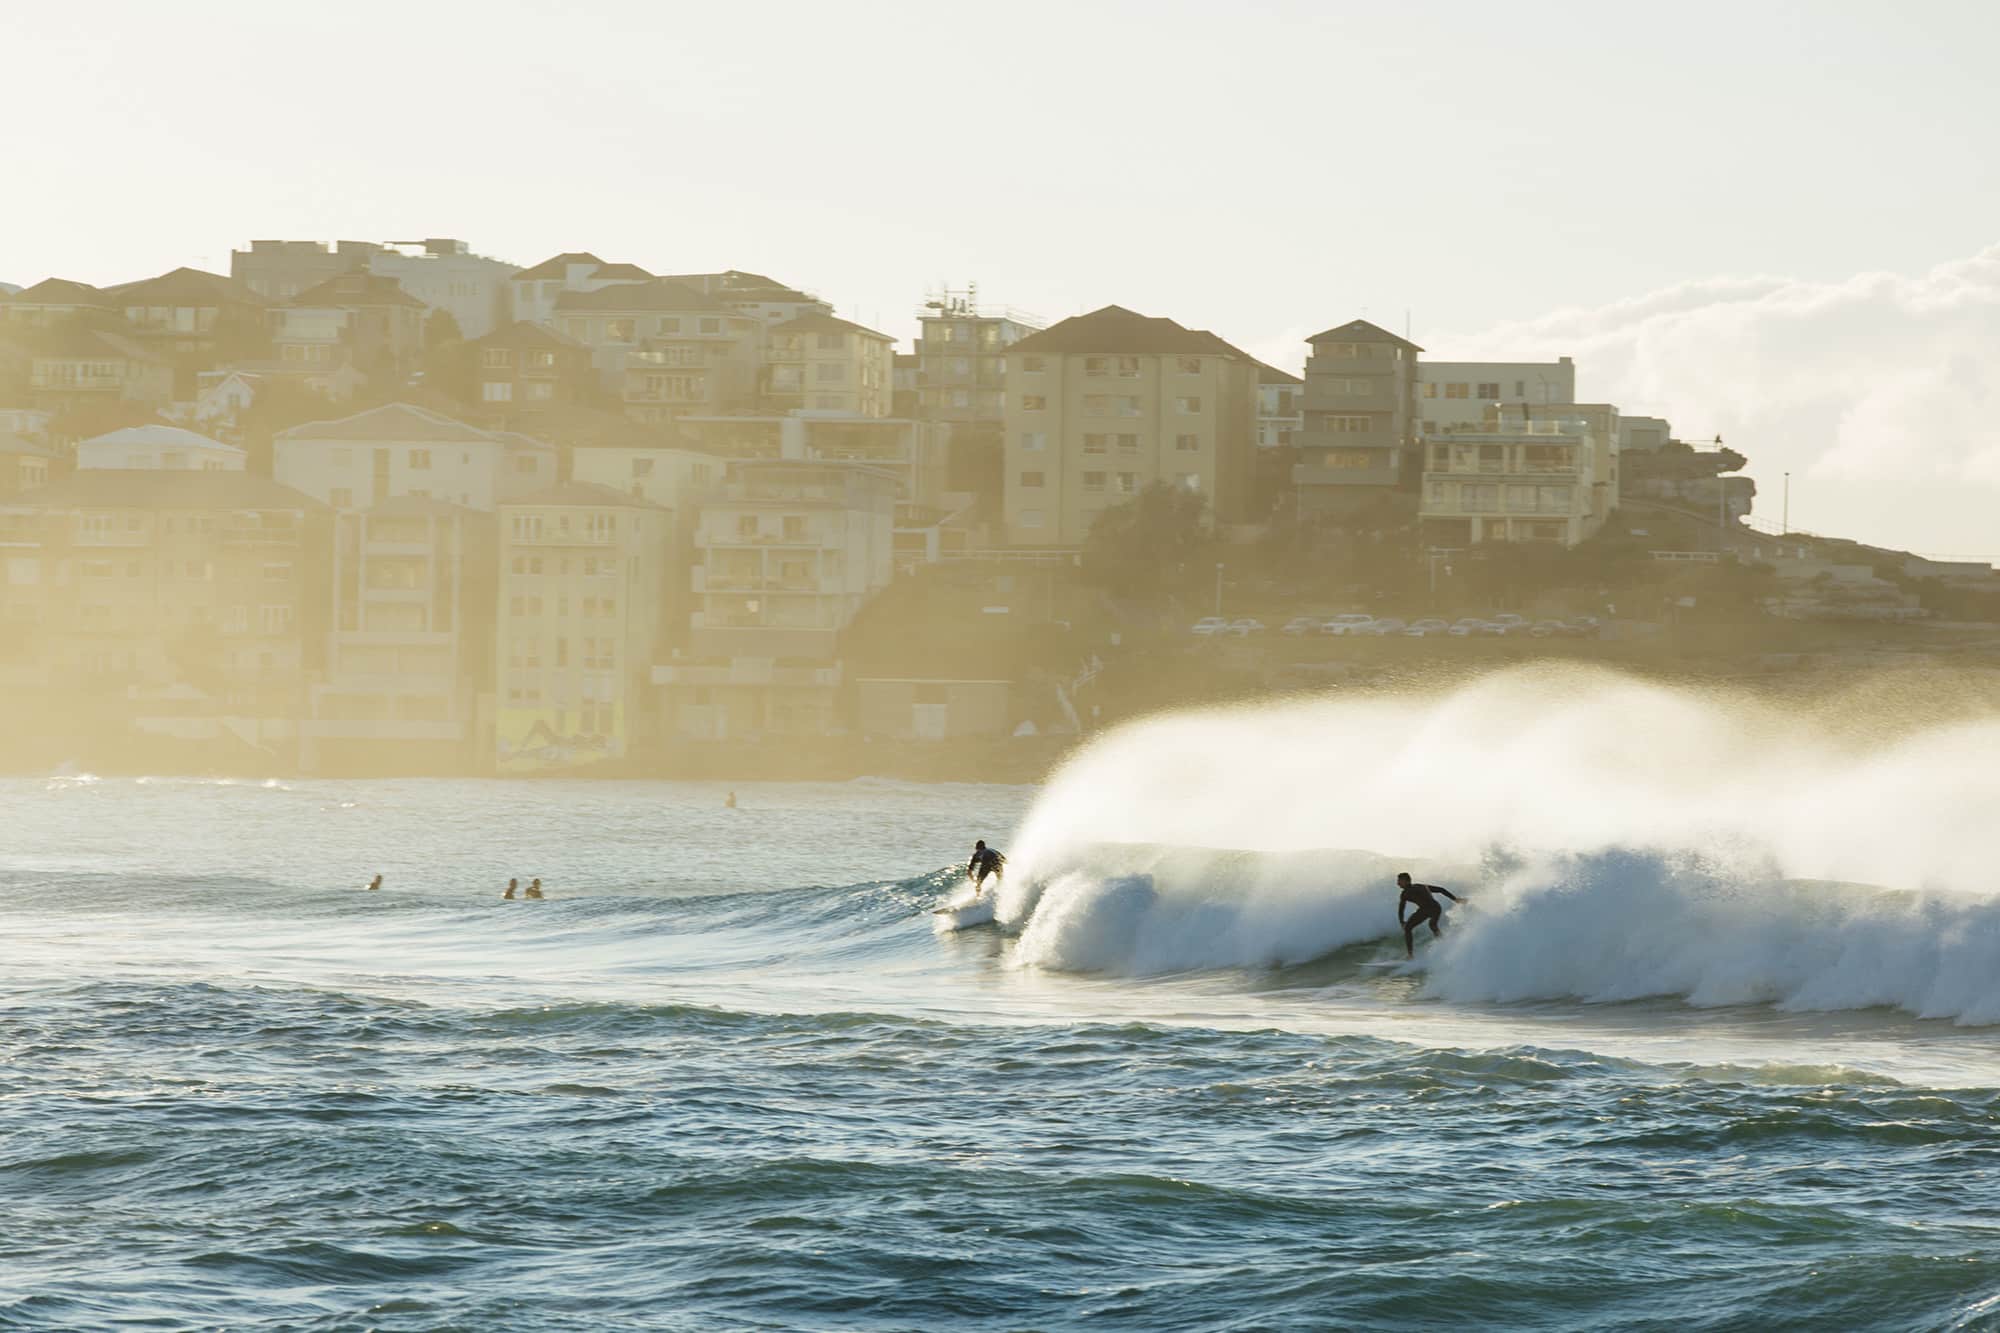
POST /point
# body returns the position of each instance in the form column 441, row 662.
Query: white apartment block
column 359, row 461
column 580, row 620
column 1460, row 393
column 1535, row 480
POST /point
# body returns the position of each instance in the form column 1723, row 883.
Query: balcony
column 1306, row 474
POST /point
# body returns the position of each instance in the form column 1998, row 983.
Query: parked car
column 1386, row 625
column 1549, row 629
column 1582, row 624
column 1349, row 622
column 1429, row 625
column 1506, row 623
column 1302, row 625
column 1245, row 627
column 1210, row 625
column 1469, row 626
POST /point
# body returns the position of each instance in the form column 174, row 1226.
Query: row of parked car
column 1356, row 624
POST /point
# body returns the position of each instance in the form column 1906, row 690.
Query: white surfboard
column 966, row 910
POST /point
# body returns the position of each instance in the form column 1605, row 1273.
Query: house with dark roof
column 522, row 367
column 401, row 449
column 536, row 288
column 357, row 319
column 53, row 300
column 1104, row 405
column 1358, row 445
column 826, row 364
column 195, row 320
column 73, row 365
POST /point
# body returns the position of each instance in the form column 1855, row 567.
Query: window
column 1457, row 390
column 795, row 527
column 496, row 391
column 541, row 360
column 1093, row 481
column 541, row 391
column 1033, row 365
column 1095, row 444
column 1034, row 441
column 496, row 358
column 746, row 525
column 1097, row 365
column 1352, row 388
column 527, row 527
column 600, row 527
column 1190, row 365
column 1128, row 443
column 1520, row 388
column 1031, row 518
column 1489, row 392
column 1031, row 480
column 710, row 326
column 1187, row 444
column 1430, row 390
column 274, row 619
column 1479, row 497
column 1128, row 483
column 1187, row 407
column 1034, row 402
column 830, row 342
column 420, row 460
column 277, row 571
column 830, row 372
column 1128, row 367
column 669, row 324
column 342, row 498
column 527, row 464
column 620, row 330
column 642, row 467
column 1349, row 425
column 1355, row 459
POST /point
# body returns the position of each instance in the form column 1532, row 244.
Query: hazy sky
column 1567, row 172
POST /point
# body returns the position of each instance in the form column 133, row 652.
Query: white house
column 361, row 460
column 159, row 449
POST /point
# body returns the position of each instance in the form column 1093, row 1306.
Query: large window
column 1093, row 481
column 1031, row 518
column 1031, row 480
column 1187, row 407
column 1187, row 444
column 1034, row 402
column 1095, row 443
column 1034, row 441
column 1189, row 365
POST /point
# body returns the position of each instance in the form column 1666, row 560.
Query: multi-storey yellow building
column 1103, row 405
column 826, row 364
column 581, row 617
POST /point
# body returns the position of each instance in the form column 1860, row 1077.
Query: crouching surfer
column 985, row 861
column 1429, row 910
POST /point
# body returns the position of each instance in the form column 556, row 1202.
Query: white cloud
column 1880, row 393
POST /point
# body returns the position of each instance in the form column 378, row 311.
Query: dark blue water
column 708, row 1088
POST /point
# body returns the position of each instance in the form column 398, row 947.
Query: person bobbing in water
column 374, row 884
column 1428, row 909
column 985, row 861
column 509, row 895
column 534, row 889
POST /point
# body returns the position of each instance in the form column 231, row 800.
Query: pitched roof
column 729, row 280
column 580, row 495
column 605, row 272
column 818, row 323
column 346, row 289
column 158, row 433
column 557, row 266
column 521, row 333
column 659, row 294
column 1116, row 329
column 59, row 291
column 143, row 488
column 1273, row 375
column 1361, row 331
column 514, row 439
column 399, row 422
column 183, row 287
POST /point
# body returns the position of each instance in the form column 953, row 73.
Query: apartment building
column 533, row 291
column 358, row 461
column 525, row 367
column 72, row 367
column 1280, row 406
column 581, row 618
column 1103, row 405
column 912, row 451
column 962, row 350
column 1464, row 393
column 356, row 319
column 440, row 272
column 26, row 465
column 763, row 299
column 827, row 365
column 658, row 471
column 1514, row 480
column 206, row 588
column 159, row 448
column 193, row 320
column 665, row 348
column 410, row 649
column 786, row 553
column 1358, row 439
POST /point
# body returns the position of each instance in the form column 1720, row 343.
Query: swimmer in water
column 374, row 884
column 534, row 889
column 509, row 895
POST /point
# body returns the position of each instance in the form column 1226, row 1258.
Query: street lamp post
column 1787, row 524
column 1218, row 590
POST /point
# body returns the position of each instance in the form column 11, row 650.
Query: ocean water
column 1715, row 1043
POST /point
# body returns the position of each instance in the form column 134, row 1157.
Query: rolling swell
column 679, row 1165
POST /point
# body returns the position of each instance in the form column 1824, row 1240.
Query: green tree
column 1144, row 548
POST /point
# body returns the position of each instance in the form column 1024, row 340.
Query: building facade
column 1530, row 480
column 1359, row 435
column 159, row 448
column 1101, row 406
column 1280, row 407
column 582, row 616
column 1465, row 393
column 356, row 462
column 824, row 364
column 440, row 272
column 355, row 319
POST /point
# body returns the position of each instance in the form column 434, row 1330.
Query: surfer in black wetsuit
column 1428, row 909
column 985, row 861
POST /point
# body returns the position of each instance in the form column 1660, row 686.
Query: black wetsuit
column 984, row 862
column 1429, row 909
